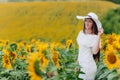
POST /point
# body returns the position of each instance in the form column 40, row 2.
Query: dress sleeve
column 86, row 40
column 93, row 40
column 79, row 38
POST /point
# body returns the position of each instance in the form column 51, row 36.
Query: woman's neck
column 88, row 31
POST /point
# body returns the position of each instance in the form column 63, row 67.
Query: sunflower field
column 37, row 60
column 30, row 54
column 109, row 65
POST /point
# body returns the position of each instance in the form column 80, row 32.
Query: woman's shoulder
column 93, row 37
column 81, row 32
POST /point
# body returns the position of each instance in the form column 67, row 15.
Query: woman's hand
column 100, row 31
column 77, row 62
column 76, row 69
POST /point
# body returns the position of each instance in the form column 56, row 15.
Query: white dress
column 85, row 56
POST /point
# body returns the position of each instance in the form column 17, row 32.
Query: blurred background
column 53, row 20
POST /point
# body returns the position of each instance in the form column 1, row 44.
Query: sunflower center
column 111, row 58
column 13, row 55
column 7, row 61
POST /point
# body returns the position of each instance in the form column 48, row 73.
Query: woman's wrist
column 99, row 36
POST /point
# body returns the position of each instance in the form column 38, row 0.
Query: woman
column 89, row 44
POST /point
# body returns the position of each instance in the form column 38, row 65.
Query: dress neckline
column 89, row 34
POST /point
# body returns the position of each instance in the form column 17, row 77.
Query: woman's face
column 88, row 23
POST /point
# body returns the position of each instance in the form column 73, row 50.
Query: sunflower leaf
column 106, row 73
column 100, row 70
column 13, row 46
column 112, row 75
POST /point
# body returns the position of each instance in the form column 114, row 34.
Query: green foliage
column 111, row 21
column 17, row 73
column 68, row 59
column 115, row 1
column 104, row 74
column 13, row 46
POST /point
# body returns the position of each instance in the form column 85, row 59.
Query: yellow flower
column 103, row 46
column 22, row 56
column 33, row 67
column 109, row 47
column 55, row 58
column 111, row 38
column 111, row 59
column 6, row 61
column 40, row 46
column 116, row 43
column 56, row 44
column 43, row 62
column 13, row 55
column 69, row 43
column 28, row 48
column 33, row 41
column 20, row 45
column 4, row 42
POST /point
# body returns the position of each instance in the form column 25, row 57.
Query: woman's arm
column 96, row 47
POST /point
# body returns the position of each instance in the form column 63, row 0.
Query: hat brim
column 98, row 23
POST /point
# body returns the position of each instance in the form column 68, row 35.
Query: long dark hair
column 94, row 31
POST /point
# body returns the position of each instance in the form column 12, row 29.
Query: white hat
column 92, row 16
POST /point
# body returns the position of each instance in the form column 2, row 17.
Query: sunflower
column 104, row 46
column 20, row 45
column 109, row 47
column 32, row 41
column 55, row 58
column 4, row 42
column 43, row 62
column 22, row 56
column 40, row 46
column 56, row 44
column 111, row 59
column 69, row 43
column 28, row 48
column 116, row 43
column 111, row 38
column 33, row 67
column 6, row 61
column 13, row 56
